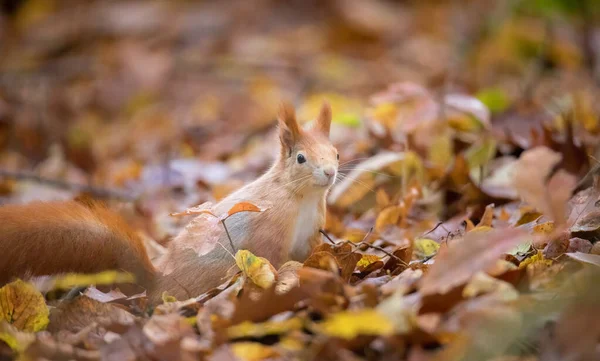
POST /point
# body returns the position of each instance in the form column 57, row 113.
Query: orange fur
column 45, row 238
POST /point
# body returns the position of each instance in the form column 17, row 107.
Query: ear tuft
column 323, row 122
column 289, row 131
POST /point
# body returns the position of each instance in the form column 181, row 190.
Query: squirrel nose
column 329, row 171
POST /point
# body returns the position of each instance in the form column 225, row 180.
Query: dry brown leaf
column 457, row 263
column 530, row 180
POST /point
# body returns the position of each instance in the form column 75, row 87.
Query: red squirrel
column 57, row 237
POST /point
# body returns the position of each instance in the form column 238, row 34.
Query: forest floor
column 464, row 227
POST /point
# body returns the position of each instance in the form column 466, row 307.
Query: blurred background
column 171, row 103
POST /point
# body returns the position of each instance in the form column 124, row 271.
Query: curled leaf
column 257, row 269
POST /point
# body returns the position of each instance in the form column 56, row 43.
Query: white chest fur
column 307, row 219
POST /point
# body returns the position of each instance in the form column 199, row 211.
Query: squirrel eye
column 301, row 158
column 338, row 156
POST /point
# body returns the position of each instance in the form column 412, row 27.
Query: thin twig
column 327, row 236
column 363, row 243
column 229, row 237
column 95, row 191
column 434, row 228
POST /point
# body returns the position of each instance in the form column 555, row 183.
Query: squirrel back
column 46, row 238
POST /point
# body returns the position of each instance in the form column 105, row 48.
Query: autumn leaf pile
column 465, row 223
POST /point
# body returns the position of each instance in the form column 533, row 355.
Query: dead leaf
column 23, row 306
column 551, row 196
column 456, row 264
column 257, row 269
column 351, row 324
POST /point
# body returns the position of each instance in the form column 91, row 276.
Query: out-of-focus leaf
column 425, row 247
column 351, row 324
column 455, row 265
column 345, row 111
column 593, row 259
column 103, row 278
column 469, row 114
column 257, row 269
column 253, row 351
column 481, row 283
column 550, row 196
column 250, row 329
column 23, row 306
column 495, row 99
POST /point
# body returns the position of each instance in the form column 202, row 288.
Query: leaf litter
column 463, row 225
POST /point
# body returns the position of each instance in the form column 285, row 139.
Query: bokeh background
column 174, row 102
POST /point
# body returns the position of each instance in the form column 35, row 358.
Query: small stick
column 326, row 236
column 229, row 237
column 368, row 245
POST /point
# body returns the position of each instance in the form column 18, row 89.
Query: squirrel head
column 309, row 160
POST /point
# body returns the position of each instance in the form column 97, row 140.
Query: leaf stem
column 228, row 236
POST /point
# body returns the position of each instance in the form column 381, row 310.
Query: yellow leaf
column 388, row 216
column 535, row 259
column 350, row 324
column 346, row 111
column 166, row 298
column 386, row 114
column 17, row 340
column 440, row 152
column 103, row 278
column 258, row 269
column 23, row 306
column 544, row 228
column 488, row 216
column 425, row 247
column 366, row 261
column 250, row 329
column 482, row 229
column 253, row 351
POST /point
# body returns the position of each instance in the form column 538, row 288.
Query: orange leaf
column 244, row 207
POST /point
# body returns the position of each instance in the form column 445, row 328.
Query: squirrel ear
column 323, row 122
column 289, row 131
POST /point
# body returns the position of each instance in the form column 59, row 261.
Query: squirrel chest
column 310, row 217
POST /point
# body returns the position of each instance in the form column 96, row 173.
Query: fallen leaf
column 351, row 324
column 257, row 269
column 593, row 259
column 367, row 260
column 456, row 264
column 550, row 197
column 23, row 306
column 253, row 351
column 425, row 247
column 251, row 329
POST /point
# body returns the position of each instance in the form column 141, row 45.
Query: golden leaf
column 253, row 351
column 23, row 306
column 250, row 329
column 366, row 260
column 388, row 216
column 257, row 269
column 425, row 247
column 103, row 278
column 350, row 324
